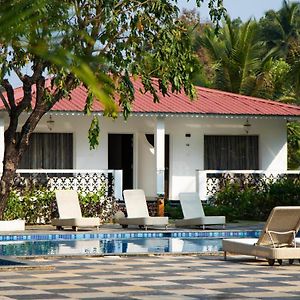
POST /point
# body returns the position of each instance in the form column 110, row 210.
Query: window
column 231, row 152
column 49, row 151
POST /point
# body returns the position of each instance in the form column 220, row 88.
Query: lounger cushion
column 78, row 222
column 209, row 220
column 144, row 221
column 249, row 247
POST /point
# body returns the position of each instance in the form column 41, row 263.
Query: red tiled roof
column 208, row 102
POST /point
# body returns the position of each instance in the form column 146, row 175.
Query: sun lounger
column 277, row 240
column 137, row 211
column 194, row 214
column 70, row 212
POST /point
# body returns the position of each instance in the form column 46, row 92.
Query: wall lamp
column 247, row 126
column 50, row 123
column 187, row 138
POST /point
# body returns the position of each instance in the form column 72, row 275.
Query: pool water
column 116, row 244
column 77, row 247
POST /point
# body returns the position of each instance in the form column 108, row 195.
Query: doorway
column 120, row 156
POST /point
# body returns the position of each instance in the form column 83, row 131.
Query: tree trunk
column 11, row 160
column 14, row 146
column 13, row 150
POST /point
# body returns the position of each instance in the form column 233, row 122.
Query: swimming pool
column 117, row 243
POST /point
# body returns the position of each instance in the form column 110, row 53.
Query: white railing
column 210, row 181
column 88, row 180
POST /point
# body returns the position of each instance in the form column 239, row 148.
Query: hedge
column 251, row 203
column 37, row 205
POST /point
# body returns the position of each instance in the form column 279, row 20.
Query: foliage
column 240, row 64
column 98, row 205
column 279, row 28
column 32, row 205
column 280, row 32
column 202, row 71
column 235, row 56
column 38, row 205
column 220, row 210
column 278, row 73
column 294, row 76
column 252, row 203
column 173, row 211
column 293, row 145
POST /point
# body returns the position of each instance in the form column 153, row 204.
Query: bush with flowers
column 37, row 205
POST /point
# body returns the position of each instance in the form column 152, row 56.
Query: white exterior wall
column 273, row 145
column 186, row 159
column 186, row 154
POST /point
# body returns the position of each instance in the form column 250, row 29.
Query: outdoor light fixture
column 50, row 123
column 247, row 126
column 187, row 137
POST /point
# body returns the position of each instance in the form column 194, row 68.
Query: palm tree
column 281, row 33
column 281, row 29
column 236, row 56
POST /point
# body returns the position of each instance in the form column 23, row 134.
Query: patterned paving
column 151, row 277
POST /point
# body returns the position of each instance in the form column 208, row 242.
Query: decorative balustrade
column 211, row 181
column 84, row 180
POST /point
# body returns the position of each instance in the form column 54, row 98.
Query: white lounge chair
column 277, row 240
column 137, row 211
column 70, row 212
column 193, row 212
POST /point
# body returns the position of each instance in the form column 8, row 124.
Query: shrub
column 98, row 205
column 37, row 205
column 173, row 211
column 251, row 203
column 221, row 210
column 32, row 205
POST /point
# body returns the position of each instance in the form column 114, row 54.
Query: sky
column 245, row 9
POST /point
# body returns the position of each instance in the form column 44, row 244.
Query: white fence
column 210, row 181
column 85, row 180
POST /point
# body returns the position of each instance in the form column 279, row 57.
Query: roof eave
column 192, row 115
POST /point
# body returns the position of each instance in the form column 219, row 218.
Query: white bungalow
column 162, row 146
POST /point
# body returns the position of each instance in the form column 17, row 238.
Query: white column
column 118, row 175
column 1, row 143
column 160, row 156
column 201, row 184
column 135, row 170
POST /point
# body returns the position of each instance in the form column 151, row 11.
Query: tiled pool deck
column 149, row 277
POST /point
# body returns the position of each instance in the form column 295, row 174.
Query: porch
column 208, row 182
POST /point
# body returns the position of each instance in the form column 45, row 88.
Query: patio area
column 150, row 277
column 147, row 276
